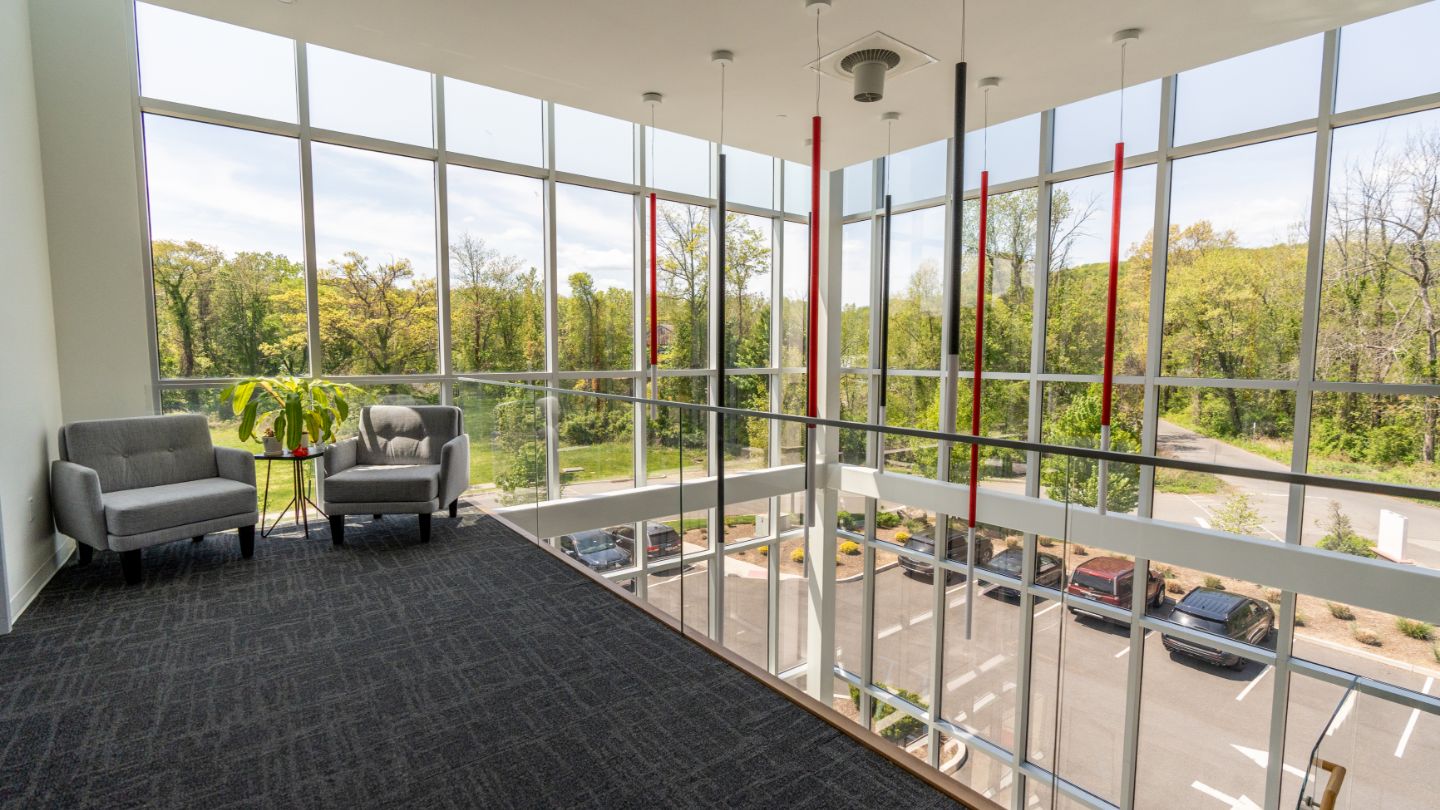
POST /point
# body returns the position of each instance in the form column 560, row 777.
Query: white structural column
column 820, row 540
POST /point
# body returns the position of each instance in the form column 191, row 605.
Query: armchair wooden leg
column 337, row 530
column 197, row 538
column 130, row 564
column 424, row 527
column 377, row 516
column 455, row 508
column 83, row 554
column 247, row 542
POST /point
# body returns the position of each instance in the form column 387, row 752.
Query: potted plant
column 295, row 409
column 272, row 443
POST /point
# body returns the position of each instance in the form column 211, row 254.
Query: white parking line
column 1253, row 681
column 1410, row 724
column 994, row 661
column 1204, row 524
column 889, row 631
column 1043, row 611
column 1342, row 714
column 985, row 700
column 1242, row 803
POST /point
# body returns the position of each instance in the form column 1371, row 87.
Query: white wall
column 84, row 84
column 29, row 379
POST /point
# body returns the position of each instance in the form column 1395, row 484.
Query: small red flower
column 300, row 452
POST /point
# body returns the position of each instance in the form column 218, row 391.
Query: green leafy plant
column 1418, row 630
column 1237, row 515
column 886, row 520
column 1339, row 611
column 1435, row 651
column 1340, row 535
column 902, row 730
column 290, row 406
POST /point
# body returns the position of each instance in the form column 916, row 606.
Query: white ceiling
column 602, row 54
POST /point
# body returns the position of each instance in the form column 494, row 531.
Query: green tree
column 1076, row 480
column 377, row 318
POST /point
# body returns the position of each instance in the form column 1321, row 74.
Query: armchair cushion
column 454, row 468
column 341, row 456
column 142, row 451
column 148, row 509
column 384, row 483
column 406, row 434
column 235, row 464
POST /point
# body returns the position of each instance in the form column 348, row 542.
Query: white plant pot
column 272, row 446
column 305, row 439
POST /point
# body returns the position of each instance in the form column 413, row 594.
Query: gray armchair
column 127, row 484
column 407, row 460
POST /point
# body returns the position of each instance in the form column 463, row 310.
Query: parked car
column 1049, row 571
column 924, row 541
column 663, row 540
column 598, row 549
column 1111, row 580
column 1223, row 614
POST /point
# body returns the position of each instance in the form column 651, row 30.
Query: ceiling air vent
column 869, row 61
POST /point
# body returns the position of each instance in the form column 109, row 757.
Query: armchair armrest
column 76, row 503
column 341, row 455
column 454, row 468
column 235, row 464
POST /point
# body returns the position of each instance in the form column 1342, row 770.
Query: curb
column 861, row 575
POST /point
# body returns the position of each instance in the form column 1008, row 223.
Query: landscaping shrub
column 1340, row 535
column 1366, row 636
column 1166, row 572
column 1435, row 651
column 1272, row 596
column 886, row 520
column 764, row 551
column 1214, row 582
column 1418, row 630
column 1045, row 542
column 797, row 556
column 901, row 730
column 1174, row 587
column 1341, row 612
column 1301, row 619
column 850, row 548
column 1076, row 548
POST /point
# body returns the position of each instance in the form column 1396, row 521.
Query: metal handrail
column 1279, row 476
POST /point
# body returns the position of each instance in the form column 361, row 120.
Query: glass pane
column 1012, row 150
column 747, row 291
column 1237, row 261
column 227, row 250
column 747, row 439
column 980, row 673
column 855, row 295
column 1080, row 273
column 1380, row 253
column 919, row 173
column 680, row 163
column 1072, row 418
column 497, row 250
column 1009, row 280
column 859, row 187
column 506, row 460
column 493, row 123
column 917, row 254
column 1241, row 427
column 596, row 270
column 594, row 145
column 207, row 63
column 797, row 188
column 664, row 590
column 747, row 600
column 1004, row 414
column 669, row 446
column 1384, row 59
column 1085, row 131
column 795, row 289
column 750, row 178
column 683, row 276
column 375, row 247
column 350, row 93
column 1221, row 701
column 904, row 647
column 1257, row 90
column 596, row 439
column 913, row 401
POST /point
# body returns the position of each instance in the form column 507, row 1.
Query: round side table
column 300, row 501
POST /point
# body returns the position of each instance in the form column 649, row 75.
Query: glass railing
column 1054, row 655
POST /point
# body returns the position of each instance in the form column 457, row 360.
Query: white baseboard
column 38, row 580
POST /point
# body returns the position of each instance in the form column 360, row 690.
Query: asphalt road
column 1204, row 730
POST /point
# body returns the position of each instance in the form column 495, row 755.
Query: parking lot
column 1204, row 730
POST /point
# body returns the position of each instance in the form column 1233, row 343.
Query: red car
column 1111, row 580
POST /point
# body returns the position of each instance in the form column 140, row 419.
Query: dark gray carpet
column 475, row 671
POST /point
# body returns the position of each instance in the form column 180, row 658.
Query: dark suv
column 1049, row 571
column 1223, row 614
column 597, row 549
column 662, row 542
column 924, row 542
column 1111, row 580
